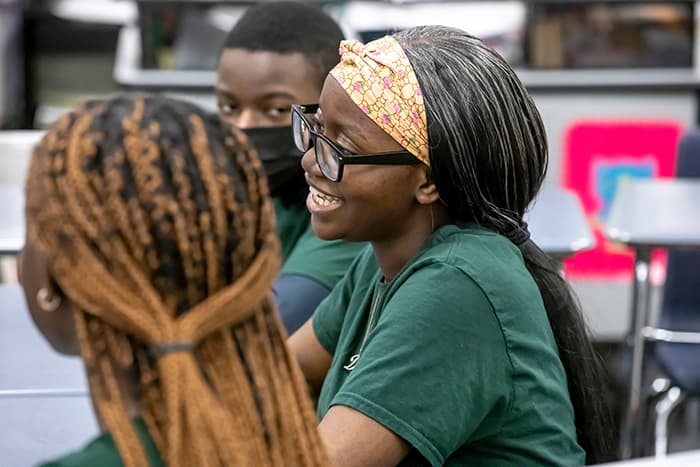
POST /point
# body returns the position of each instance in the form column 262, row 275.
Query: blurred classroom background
column 616, row 82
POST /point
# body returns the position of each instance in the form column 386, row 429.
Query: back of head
column 157, row 226
column 488, row 158
column 488, row 144
column 288, row 28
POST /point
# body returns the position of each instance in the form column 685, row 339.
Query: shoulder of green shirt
column 446, row 246
column 103, row 452
column 329, row 316
column 451, row 293
column 292, row 223
column 325, row 261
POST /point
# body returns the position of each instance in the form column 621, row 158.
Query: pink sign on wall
column 597, row 155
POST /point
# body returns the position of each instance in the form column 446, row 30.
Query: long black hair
column 488, row 155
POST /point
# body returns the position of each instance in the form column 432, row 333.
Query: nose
column 308, row 163
column 247, row 118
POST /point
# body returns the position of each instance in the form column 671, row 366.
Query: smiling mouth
column 319, row 202
column 323, row 199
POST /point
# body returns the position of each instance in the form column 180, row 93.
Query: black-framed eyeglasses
column 329, row 157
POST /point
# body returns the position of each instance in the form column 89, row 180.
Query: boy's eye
column 226, row 108
column 279, row 111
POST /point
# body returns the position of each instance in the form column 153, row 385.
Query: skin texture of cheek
column 376, row 205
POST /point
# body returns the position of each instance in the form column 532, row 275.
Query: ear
column 426, row 190
column 57, row 325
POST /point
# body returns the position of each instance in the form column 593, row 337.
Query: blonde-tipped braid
column 158, row 227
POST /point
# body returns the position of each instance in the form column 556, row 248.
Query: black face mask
column 281, row 161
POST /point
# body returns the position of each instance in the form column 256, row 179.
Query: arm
column 314, row 343
column 297, row 297
column 311, row 270
column 351, row 438
column 355, row 440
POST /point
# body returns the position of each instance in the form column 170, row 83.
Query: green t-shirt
column 305, row 254
column 460, row 362
column 103, row 452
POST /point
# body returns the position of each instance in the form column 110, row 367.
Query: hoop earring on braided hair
column 47, row 302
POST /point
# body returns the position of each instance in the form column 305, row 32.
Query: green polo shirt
column 103, row 452
column 305, row 254
column 459, row 360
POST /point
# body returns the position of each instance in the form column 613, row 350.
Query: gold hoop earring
column 47, row 302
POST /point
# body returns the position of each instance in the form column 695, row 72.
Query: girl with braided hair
column 150, row 251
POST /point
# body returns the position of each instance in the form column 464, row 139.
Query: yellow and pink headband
column 379, row 78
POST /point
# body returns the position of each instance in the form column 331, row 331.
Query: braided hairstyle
column 158, row 227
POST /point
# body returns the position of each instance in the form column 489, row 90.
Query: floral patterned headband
column 379, row 78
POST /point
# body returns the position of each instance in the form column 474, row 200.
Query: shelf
column 128, row 74
column 671, row 79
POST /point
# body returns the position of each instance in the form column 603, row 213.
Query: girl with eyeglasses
column 453, row 340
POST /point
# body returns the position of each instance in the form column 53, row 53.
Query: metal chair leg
column 664, row 408
column 640, row 316
column 652, row 394
column 659, row 386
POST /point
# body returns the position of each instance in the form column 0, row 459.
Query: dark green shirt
column 305, row 254
column 102, row 452
column 459, row 361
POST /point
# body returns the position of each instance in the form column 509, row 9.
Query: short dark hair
column 287, row 28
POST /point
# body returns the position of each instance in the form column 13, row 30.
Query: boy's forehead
column 253, row 76
column 261, row 64
column 249, row 75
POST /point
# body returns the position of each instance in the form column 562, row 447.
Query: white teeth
column 322, row 199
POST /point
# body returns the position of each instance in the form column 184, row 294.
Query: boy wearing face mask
column 279, row 54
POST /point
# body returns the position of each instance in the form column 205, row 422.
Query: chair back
column 680, row 307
